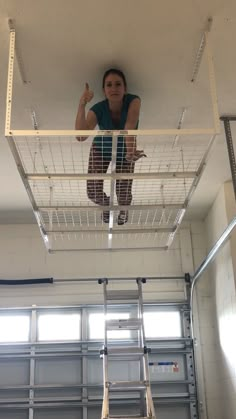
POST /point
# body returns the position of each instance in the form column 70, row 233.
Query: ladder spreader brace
column 136, row 349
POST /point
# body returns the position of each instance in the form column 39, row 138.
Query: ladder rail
column 105, row 404
column 142, row 344
column 149, row 401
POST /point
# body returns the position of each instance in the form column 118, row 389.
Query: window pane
column 96, row 326
column 162, row 324
column 14, row 328
column 59, row 326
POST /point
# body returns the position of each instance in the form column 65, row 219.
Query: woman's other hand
column 136, row 155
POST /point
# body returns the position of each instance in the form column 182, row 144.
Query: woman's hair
column 114, row 71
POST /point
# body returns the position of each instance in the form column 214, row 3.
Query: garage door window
column 164, row 324
column 54, row 327
column 14, row 328
column 96, row 326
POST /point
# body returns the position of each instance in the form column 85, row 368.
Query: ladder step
column 126, row 351
column 130, row 417
column 127, row 385
column 122, row 295
column 121, row 324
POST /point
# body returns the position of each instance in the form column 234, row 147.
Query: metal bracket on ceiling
column 34, row 119
column 200, row 50
column 205, row 44
column 19, row 60
column 180, row 123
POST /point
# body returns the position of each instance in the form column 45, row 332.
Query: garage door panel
column 163, row 411
column 14, row 414
column 94, row 370
column 173, row 412
column 58, row 371
column 159, row 389
column 95, row 391
column 59, row 413
column 14, row 372
column 13, row 394
column 167, row 367
column 57, row 392
column 123, row 371
column 95, row 412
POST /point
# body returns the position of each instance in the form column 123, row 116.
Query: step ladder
column 136, row 349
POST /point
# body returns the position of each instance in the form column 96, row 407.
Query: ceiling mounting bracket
column 18, row 55
column 200, row 50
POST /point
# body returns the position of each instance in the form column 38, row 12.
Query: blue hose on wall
column 33, row 281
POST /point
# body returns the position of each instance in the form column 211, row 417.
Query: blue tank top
column 103, row 114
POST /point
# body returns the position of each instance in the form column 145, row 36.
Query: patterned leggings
column 95, row 192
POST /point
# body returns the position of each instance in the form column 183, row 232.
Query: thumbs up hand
column 87, row 95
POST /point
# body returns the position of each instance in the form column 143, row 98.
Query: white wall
column 203, row 320
column 23, row 255
column 220, row 336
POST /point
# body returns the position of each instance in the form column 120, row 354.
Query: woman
column 119, row 111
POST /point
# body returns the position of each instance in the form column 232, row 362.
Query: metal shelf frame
column 63, row 227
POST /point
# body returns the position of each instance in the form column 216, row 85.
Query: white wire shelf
column 85, row 220
column 55, row 172
column 65, row 155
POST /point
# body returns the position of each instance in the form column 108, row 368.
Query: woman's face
column 114, row 88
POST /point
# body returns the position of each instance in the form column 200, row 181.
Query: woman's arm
column 85, row 123
column 82, row 122
column 131, row 123
column 133, row 114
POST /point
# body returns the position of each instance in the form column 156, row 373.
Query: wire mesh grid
column 71, row 180
column 67, row 155
column 57, row 193
column 97, row 241
column 80, row 220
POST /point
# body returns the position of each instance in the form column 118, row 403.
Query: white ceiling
column 63, row 44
